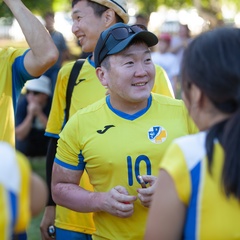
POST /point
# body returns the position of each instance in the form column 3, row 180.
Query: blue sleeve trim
column 192, row 217
column 19, row 77
column 14, row 207
column 68, row 166
column 52, row 135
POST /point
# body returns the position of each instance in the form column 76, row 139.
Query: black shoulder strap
column 71, row 83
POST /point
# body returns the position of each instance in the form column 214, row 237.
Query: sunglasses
column 33, row 92
column 119, row 34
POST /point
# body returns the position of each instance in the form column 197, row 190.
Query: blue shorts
column 62, row 234
column 20, row 236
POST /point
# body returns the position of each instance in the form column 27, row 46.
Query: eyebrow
column 130, row 54
column 75, row 12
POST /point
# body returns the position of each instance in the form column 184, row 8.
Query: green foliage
column 175, row 4
column 145, row 6
column 61, row 5
column 148, row 6
column 38, row 7
column 4, row 10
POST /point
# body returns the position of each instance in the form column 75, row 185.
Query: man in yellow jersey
column 90, row 18
column 22, row 193
column 19, row 65
column 118, row 138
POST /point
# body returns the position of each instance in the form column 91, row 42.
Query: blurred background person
column 31, row 118
column 167, row 60
column 178, row 45
column 142, row 19
column 61, row 44
column 180, row 42
column 21, row 64
column 23, row 194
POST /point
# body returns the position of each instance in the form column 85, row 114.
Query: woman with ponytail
column 197, row 194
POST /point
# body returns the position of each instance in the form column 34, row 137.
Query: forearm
column 76, row 198
column 43, row 52
column 23, row 129
column 52, row 146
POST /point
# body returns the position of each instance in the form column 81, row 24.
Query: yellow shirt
column 87, row 90
column 13, row 77
column 210, row 214
column 14, row 192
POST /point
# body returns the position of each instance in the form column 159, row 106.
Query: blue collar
column 128, row 116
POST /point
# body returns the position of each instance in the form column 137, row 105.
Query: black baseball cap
column 116, row 38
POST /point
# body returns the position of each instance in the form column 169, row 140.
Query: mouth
column 139, row 84
column 80, row 38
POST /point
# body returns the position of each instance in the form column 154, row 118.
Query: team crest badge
column 157, row 134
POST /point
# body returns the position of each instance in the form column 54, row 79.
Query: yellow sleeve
column 24, row 214
column 162, row 83
column 174, row 163
column 57, row 114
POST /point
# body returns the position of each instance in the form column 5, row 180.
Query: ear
column 101, row 74
column 196, row 96
column 109, row 17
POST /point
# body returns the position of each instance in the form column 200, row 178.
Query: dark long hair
column 212, row 62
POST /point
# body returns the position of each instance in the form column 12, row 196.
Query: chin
column 140, row 99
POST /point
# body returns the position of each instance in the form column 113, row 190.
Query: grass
column 33, row 232
column 38, row 166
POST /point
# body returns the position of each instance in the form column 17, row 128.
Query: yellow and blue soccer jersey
column 13, row 77
column 14, row 192
column 87, row 90
column 115, row 148
column 210, row 214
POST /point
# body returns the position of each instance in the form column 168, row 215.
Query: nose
column 75, row 27
column 140, row 70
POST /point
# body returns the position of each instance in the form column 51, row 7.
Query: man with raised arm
column 19, row 65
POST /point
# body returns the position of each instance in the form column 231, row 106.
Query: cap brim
column 149, row 38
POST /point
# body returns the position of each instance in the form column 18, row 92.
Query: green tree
column 148, row 6
column 210, row 10
column 38, row 7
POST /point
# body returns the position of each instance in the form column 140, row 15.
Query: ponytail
column 228, row 134
column 231, row 146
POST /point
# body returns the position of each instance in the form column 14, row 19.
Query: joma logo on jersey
column 105, row 129
column 79, row 81
column 157, row 134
